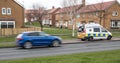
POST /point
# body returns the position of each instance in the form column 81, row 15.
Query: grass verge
column 116, row 34
column 7, row 39
column 2, row 45
column 92, row 57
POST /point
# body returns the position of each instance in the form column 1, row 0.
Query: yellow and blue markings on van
column 97, row 35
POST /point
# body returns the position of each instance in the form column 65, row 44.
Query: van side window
column 96, row 29
column 90, row 30
column 103, row 30
column 81, row 29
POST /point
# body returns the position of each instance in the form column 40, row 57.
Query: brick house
column 49, row 18
column 29, row 15
column 63, row 17
column 106, row 13
column 11, row 14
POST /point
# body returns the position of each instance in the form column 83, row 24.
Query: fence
column 15, row 31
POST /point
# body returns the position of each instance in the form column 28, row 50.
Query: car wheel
column 27, row 45
column 55, row 43
column 109, row 37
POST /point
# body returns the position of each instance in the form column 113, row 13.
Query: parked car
column 37, row 38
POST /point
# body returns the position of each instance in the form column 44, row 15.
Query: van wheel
column 82, row 39
column 27, row 45
column 109, row 37
column 90, row 38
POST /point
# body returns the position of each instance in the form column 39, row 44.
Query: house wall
column 110, row 17
column 17, row 12
column 93, row 16
column 63, row 20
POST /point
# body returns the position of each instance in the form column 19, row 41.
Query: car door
column 34, row 38
column 44, row 38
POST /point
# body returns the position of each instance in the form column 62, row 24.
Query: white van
column 93, row 31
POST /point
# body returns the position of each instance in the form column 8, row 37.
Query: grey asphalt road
column 16, row 53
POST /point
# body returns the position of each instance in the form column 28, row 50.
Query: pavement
column 116, row 38
column 71, row 41
column 79, row 41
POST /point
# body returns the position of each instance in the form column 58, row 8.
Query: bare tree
column 29, row 16
column 71, row 7
column 39, row 12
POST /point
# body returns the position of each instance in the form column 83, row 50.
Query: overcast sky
column 49, row 3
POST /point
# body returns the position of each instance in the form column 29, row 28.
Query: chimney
column 83, row 2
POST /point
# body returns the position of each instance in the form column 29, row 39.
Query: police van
column 93, row 31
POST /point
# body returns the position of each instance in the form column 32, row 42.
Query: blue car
column 37, row 38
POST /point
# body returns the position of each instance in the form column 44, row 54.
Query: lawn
column 7, row 39
column 116, row 34
column 2, row 45
column 33, row 23
column 91, row 57
column 59, row 31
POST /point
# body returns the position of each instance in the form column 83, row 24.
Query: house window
column 115, row 13
column 10, row 24
column 8, row 11
column 96, row 14
column 115, row 23
column 3, row 11
column 4, row 25
column 78, row 16
column 7, row 24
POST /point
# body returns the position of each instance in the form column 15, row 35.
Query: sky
column 50, row 3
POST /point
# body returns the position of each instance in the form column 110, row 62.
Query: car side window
column 96, row 29
column 42, row 34
column 33, row 34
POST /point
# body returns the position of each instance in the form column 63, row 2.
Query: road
column 16, row 53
